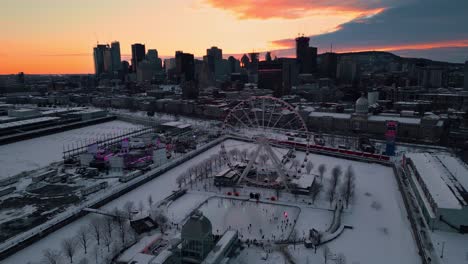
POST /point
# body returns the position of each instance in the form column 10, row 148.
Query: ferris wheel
column 271, row 142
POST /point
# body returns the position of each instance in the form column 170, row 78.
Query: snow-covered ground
column 450, row 247
column 158, row 188
column 38, row 152
column 380, row 234
column 253, row 220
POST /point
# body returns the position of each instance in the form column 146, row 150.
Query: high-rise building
column 98, row 54
column 155, row 61
column 213, row 57
column 328, row 64
column 234, row 64
column 268, row 56
column 466, row 76
column 253, row 67
column 108, row 60
column 278, row 75
column 216, row 53
column 347, row 70
column 306, row 56
column 138, row 54
column 115, row 53
column 185, row 66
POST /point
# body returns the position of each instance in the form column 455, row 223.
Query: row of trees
column 103, row 233
column 345, row 190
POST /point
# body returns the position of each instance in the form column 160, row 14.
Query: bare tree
column 150, row 200
column 309, row 166
column 51, row 257
column 69, row 248
column 293, row 237
column 96, row 229
column 108, row 226
column 158, row 215
column 315, row 190
column 336, row 173
column 83, row 237
column 120, row 217
column 107, row 239
column 341, row 259
column 124, row 231
column 321, row 169
column 326, row 253
column 347, row 189
column 129, row 206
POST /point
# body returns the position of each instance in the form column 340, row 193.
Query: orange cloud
column 293, row 9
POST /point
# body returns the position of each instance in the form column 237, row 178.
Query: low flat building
column 440, row 183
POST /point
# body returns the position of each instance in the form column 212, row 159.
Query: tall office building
column 306, row 56
column 155, row 61
column 466, row 76
column 115, row 53
column 278, row 75
column 138, row 54
column 108, row 60
column 98, row 54
column 185, row 66
column 216, row 53
column 185, row 72
column 328, row 64
column 213, row 57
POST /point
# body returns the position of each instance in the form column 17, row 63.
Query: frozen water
column 41, row 151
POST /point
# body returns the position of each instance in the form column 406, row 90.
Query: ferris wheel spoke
column 248, row 118
column 288, row 123
column 238, row 119
column 278, row 119
column 271, row 114
column 253, row 108
column 263, row 113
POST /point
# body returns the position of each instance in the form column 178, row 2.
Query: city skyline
column 57, row 37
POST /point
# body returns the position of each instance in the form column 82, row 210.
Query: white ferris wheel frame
column 263, row 142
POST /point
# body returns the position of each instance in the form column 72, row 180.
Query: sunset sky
column 57, row 36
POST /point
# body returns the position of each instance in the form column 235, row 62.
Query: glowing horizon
column 53, row 36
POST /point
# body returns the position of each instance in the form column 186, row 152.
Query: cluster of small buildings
column 196, row 244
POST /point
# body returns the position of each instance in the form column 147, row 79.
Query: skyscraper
column 306, row 56
column 185, row 66
column 328, row 65
column 152, row 57
column 216, row 53
column 115, row 53
column 185, row 72
column 138, row 54
column 98, row 54
column 108, row 60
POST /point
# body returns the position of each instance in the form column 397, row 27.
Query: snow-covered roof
column 219, row 249
column 177, row 124
column 27, row 122
column 132, row 252
column 399, row 119
column 330, row 114
column 431, row 173
column 162, row 257
column 456, row 167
